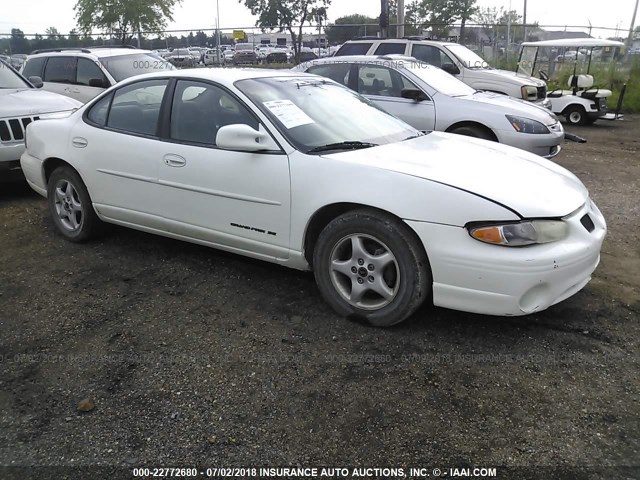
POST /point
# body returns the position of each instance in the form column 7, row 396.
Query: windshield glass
column 438, row 79
column 9, row 78
column 527, row 59
column 468, row 58
column 312, row 113
column 244, row 46
column 125, row 66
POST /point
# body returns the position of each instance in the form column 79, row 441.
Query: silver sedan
column 428, row 99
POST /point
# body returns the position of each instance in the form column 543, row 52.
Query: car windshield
column 125, row 66
column 9, row 78
column 244, row 46
column 468, row 58
column 315, row 113
column 438, row 79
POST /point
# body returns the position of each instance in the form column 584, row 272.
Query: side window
column 87, row 71
column 353, row 49
column 60, row 70
column 199, row 110
column 432, row 55
column 337, row 71
column 379, row 81
column 99, row 110
column 33, row 67
column 136, row 107
column 390, row 48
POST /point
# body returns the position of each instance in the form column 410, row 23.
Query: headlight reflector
column 528, row 232
column 529, row 92
column 526, row 125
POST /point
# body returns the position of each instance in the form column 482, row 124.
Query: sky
column 34, row 16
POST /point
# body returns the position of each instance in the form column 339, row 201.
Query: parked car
column 298, row 170
column 213, row 57
column 83, row 73
column 277, row 55
column 428, row 98
column 307, row 54
column 21, row 103
column 17, row 60
column 571, row 56
column 181, row 58
column 245, row 54
column 457, row 60
column 228, row 56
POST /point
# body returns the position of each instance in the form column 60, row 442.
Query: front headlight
column 526, row 125
column 529, row 92
column 529, row 232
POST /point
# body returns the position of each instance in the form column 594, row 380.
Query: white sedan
column 297, row 170
column 428, row 98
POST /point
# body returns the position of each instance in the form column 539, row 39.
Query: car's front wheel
column 70, row 205
column 370, row 265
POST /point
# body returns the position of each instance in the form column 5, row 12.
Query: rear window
column 125, row 66
column 390, row 48
column 353, row 49
column 33, row 67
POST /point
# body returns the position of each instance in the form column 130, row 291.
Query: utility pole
column 633, row 23
column 524, row 21
column 384, row 18
column 400, row 18
column 218, row 29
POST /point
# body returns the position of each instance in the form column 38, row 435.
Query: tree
column 440, row 14
column 466, row 10
column 288, row 15
column 124, row 17
column 350, row 27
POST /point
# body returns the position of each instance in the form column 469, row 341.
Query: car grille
column 12, row 130
column 542, row 92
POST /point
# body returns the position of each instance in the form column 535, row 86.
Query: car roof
column 398, row 40
column 98, row 52
column 225, row 76
column 371, row 59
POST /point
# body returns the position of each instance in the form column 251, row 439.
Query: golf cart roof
column 575, row 42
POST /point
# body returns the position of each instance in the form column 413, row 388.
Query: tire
column 70, row 206
column 576, row 115
column 369, row 242
column 473, row 131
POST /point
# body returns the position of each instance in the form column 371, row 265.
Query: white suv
column 83, row 73
column 457, row 60
column 21, row 103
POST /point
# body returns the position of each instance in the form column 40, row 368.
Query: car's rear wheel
column 70, row 205
column 576, row 115
column 473, row 131
column 370, row 265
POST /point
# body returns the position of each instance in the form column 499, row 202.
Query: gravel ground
column 193, row 356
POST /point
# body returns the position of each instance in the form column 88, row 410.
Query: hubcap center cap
column 363, row 272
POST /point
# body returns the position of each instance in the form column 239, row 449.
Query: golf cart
column 581, row 103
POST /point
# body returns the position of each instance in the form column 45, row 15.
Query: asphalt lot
column 193, row 356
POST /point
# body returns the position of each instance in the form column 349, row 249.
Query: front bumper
column 547, row 145
column 34, row 173
column 471, row 276
column 10, row 152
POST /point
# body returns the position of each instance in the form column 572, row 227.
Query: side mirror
column 98, row 83
column 414, row 94
column 242, row 137
column 36, row 81
column 543, row 75
column 450, row 68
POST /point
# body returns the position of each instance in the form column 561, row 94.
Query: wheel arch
column 324, row 215
column 471, row 123
column 51, row 163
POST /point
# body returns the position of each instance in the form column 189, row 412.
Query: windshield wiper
column 352, row 145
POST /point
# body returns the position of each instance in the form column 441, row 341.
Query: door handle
column 173, row 160
column 79, row 142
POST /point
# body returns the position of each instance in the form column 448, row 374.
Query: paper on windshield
column 288, row 113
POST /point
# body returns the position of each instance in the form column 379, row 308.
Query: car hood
column 30, row 101
column 513, row 77
column 521, row 181
column 513, row 106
